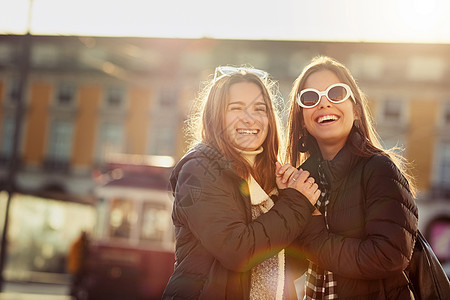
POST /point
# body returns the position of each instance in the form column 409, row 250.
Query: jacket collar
column 202, row 150
column 217, row 162
column 336, row 169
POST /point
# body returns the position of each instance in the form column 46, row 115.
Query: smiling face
column 246, row 120
column 328, row 122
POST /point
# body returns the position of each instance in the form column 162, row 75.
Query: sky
column 417, row 21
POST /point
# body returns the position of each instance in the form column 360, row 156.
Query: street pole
column 24, row 62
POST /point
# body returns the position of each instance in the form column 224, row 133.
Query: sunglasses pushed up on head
column 223, row 71
column 335, row 93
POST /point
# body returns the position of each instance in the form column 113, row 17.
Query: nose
column 247, row 118
column 324, row 102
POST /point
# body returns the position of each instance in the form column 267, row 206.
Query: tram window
column 122, row 218
column 155, row 222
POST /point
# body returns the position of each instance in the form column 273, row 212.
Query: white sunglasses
column 335, row 93
column 223, row 71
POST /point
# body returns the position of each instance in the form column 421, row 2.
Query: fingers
column 298, row 180
column 312, row 193
column 277, row 168
column 310, row 180
column 304, row 175
column 288, row 176
column 279, row 172
column 302, row 182
column 315, row 196
column 285, row 172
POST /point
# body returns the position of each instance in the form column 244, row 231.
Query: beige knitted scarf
column 267, row 278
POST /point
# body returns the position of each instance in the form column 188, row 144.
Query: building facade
column 89, row 97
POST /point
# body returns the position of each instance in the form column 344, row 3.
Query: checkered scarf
column 320, row 283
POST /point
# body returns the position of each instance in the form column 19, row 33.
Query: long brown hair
column 207, row 125
column 365, row 125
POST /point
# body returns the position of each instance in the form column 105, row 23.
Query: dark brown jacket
column 217, row 243
column 372, row 220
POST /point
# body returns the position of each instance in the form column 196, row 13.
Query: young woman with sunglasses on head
column 363, row 240
column 231, row 221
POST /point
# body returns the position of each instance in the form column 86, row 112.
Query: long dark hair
column 370, row 144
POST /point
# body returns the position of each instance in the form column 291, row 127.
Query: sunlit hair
column 295, row 122
column 207, row 125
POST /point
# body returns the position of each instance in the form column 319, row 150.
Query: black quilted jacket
column 372, row 220
column 217, row 243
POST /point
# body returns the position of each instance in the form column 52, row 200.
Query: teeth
column 327, row 118
column 247, row 131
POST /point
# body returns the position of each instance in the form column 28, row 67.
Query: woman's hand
column 288, row 176
column 302, row 182
column 283, row 174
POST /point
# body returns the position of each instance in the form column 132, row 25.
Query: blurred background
column 93, row 99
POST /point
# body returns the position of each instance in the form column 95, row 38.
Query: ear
column 356, row 114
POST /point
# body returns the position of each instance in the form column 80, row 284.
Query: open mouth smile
column 248, row 131
column 327, row 119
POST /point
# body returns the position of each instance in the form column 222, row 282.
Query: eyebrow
column 242, row 103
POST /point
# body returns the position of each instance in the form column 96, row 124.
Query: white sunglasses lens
column 337, row 93
column 228, row 70
column 309, row 98
column 259, row 73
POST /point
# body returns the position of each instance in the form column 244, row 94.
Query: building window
column 443, row 179
column 45, row 55
column 92, row 56
column 369, row 66
column 168, row 99
column 391, row 124
column 65, row 95
column 6, row 54
column 425, row 68
column 392, row 111
column 164, row 132
column 60, row 145
column 115, row 98
column 111, row 139
column 164, row 124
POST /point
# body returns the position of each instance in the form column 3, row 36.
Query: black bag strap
column 440, row 279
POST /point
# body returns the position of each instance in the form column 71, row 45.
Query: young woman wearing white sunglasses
column 362, row 241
